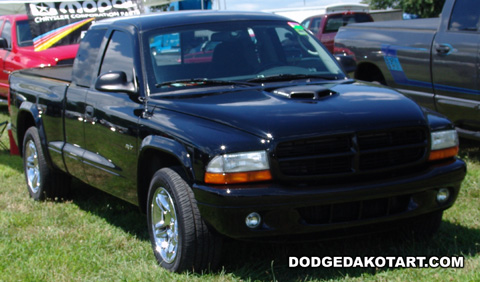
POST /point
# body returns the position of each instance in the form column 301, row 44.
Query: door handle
column 89, row 111
column 443, row 48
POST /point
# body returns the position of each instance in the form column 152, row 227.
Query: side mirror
column 347, row 62
column 115, row 81
column 3, row 43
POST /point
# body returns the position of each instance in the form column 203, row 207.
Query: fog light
column 253, row 220
column 443, row 195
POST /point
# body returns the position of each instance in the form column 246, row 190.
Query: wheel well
column 369, row 72
column 24, row 122
column 150, row 161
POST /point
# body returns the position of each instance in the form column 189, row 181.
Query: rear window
column 334, row 22
column 24, row 36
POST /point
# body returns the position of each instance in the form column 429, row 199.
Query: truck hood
column 288, row 112
column 50, row 56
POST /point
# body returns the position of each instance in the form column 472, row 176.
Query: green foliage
column 423, row 8
column 383, row 4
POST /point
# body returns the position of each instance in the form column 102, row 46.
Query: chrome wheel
column 32, row 168
column 164, row 225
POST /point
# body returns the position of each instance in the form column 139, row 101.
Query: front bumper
column 290, row 210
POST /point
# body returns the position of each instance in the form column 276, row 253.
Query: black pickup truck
column 434, row 61
column 231, row 124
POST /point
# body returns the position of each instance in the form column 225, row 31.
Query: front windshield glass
column 234, row 52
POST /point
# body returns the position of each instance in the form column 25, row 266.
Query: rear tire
column 42, row 181
column 180, row 238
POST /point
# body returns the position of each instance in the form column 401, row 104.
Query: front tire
column 180, row 238
column 42, row 181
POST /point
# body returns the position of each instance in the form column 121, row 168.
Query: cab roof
column 147, row 22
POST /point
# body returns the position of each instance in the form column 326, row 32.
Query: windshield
column 235, row 52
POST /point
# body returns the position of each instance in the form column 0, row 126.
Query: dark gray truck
column 434, row 61
column 245, row 128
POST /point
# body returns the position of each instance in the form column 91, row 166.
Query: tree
column 423, row 8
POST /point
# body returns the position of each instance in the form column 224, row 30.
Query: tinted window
column 119, row 55
column 316, row 25
column 465, row 15
column 86, row 60
column 235, row 51
column 334, row 22
column 306, row 23
column 7, row 33
column 24, row 36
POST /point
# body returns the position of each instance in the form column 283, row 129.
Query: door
column 111, row 125
column 455, row 66
column 83, row 76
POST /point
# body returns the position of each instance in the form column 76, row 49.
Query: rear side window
column 465, row 16
column 86, row 60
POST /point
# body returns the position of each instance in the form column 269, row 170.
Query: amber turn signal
column 237, row 177
column 443, row 154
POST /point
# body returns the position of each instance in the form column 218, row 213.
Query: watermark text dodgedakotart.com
column 378, row 262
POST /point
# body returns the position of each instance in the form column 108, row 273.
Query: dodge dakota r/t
column 259, row 136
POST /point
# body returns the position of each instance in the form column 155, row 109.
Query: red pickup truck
column 325, row 26
column 16, row 50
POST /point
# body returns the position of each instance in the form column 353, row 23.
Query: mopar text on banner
column 61, row 23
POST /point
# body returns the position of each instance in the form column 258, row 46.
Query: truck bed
column 417, row 24
column 63, row 73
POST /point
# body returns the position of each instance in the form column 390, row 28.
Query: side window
column 7, row 33
column 465, row 16
column 119, row 55
column 86, row 60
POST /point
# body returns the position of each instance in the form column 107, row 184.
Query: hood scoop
column 304, row 92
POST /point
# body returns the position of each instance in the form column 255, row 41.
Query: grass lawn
column 96, row 237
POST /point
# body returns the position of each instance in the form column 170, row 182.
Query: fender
column 168, row 146
column 174, row 152
column 31, row 109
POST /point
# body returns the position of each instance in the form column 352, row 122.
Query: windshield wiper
column 200, row 82
column 285, row 77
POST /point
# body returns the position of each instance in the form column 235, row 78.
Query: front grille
column 355, row 153
column 353, row 211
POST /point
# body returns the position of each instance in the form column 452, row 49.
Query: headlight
column 444, row 145
column 238, row 168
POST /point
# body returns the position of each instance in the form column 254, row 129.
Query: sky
column 259, row 5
